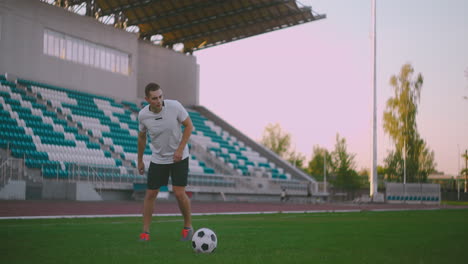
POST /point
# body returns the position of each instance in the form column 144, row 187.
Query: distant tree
column 343, row 167
column 276, row 140
column 426, row 162
column 399, row 121
column 364, row 175
column 316, row 163
column 296, row 159
column 279, row 142
column 364, row 172
column 465, row 170
column 381, row 170
column 393, row 166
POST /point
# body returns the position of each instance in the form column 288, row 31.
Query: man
column 284, row 195
column 162, row 119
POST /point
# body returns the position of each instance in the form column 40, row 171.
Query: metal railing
column 12, row 169
column 211, row 160
column 112, row 177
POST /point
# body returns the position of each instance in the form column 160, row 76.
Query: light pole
column 374, row 179
column 324, row 172
column 404, row 161
column 458, row 173
column 466, row 170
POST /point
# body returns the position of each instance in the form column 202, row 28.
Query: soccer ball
column 204, row 241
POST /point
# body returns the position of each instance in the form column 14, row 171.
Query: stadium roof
column 199, row 24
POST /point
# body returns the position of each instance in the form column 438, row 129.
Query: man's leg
column 184, row 204
column 148, row 207
column 179, row 181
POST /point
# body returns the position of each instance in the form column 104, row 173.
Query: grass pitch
column 438, row 236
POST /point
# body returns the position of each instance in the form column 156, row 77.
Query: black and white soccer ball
column 204, row 241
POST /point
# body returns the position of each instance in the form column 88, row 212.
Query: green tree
column 316, row 166
column 399, row 121
column 393, row 166
column 276, row 140
column 279, row 142
column 343, row 167
column 364, row 175
column 296, row 158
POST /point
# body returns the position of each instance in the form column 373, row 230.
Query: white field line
column 218, row 213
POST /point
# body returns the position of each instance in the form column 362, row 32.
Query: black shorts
column 158, row 174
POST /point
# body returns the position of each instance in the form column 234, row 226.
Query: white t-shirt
column 165, row 130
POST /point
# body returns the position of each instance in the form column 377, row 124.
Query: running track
column 44, row 208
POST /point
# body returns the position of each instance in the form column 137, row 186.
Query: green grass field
column 462, row 203
column 438, row 236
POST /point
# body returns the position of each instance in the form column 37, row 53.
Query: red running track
column 68, row 208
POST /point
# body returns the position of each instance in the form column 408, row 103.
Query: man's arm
column 188, row 128
column 141, row 151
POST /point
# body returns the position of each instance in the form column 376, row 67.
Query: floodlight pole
column 324, row 172
column 404, row 161
column 458, row 174
column 466, row 172
column 373, row 179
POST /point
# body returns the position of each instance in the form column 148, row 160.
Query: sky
column 315, row 79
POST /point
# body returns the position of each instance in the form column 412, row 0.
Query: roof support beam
column 172, row 13
column 121, row 8
column 304, row 11
column 213, row 18
column 72, row 2
column 216, row 43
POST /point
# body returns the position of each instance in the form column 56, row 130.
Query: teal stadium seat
column 231, row 151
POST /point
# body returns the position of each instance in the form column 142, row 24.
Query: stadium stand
column 72, row 135
column 109, row 129
column 43, row 139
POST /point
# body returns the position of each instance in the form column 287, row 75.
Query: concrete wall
column 85, row 192
column 13, row 190
column 79, row 191
column 58, row 190
column 22, row 25
column 176, row 73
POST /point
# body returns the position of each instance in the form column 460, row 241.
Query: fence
column 412, row 193
column 11, row 169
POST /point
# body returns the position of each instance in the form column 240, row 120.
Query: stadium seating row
column 412, row 198
column 232, row 151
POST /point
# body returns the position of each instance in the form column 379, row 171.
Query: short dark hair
column 151, row 87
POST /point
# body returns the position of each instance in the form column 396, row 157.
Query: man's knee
column 151, row 194
column 179, row 192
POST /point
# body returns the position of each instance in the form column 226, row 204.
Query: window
column 50, row 44
column 62, row 48
column 124, row 65
column 46, row 37
column 68, row 48
column 74, row 51
column 97, row 57
column 91, row 55
column 80, row 51
column 86, row 55
column 102, row 65
column 117, row 63
column 56, row 46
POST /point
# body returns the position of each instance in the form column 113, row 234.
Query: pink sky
column 315, row 79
